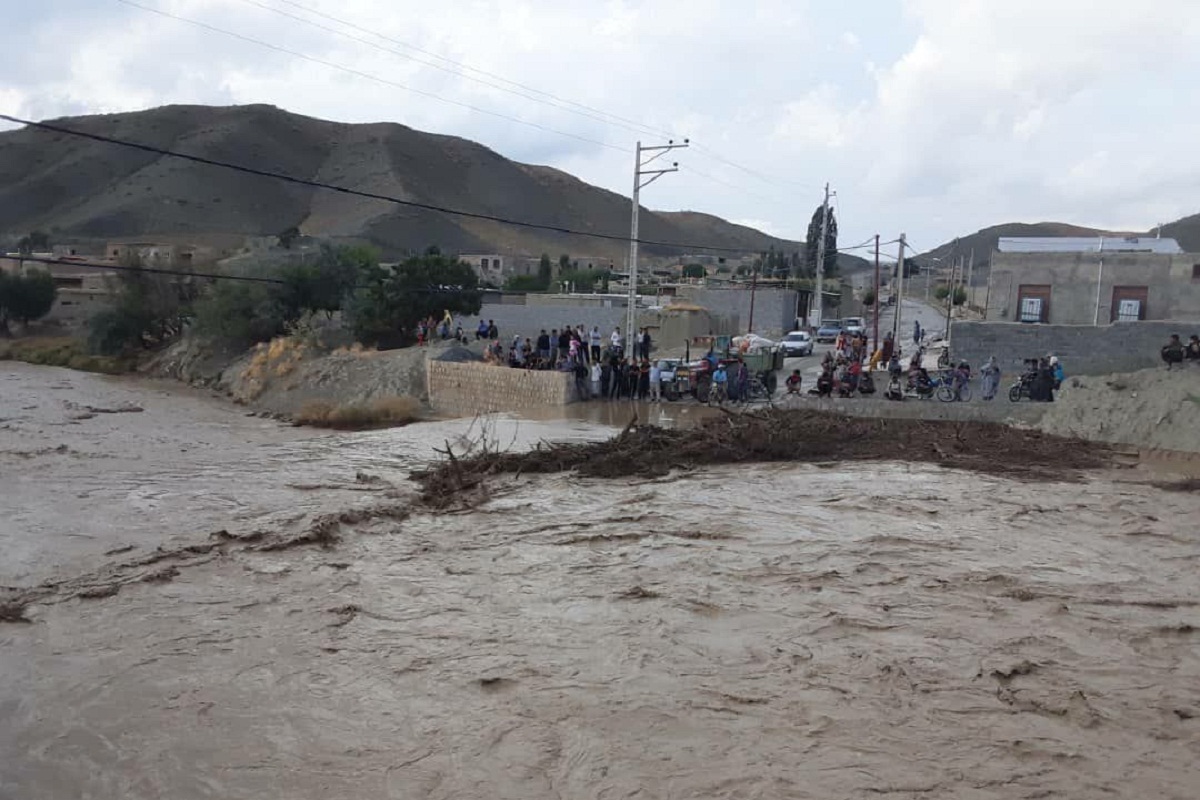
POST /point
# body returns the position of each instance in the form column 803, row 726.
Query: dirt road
column 751, row 632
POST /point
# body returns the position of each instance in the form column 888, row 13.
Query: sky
column 931, row 117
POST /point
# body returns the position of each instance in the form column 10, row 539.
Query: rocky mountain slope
column 80, row 188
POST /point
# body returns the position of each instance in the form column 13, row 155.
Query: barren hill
column 80, row 188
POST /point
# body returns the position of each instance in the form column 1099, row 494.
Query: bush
column 149, row 309
column 25, row 297
column 941, row 292
column 960, row 296
column 868, row 298
column 380, row 412
column 61, row 352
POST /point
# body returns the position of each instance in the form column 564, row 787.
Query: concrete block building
column 1092, row 281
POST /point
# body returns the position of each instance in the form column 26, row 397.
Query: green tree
column 868, row 298
column 960, row 296
column 941, row 292
column 524, row 283
column 584, row 280
column 25, row 298
column 240, row 313
column 545, row 273
column 386, row 307
column 812, row 242
column 148, row 309
column 694, row 271
column 564, row 262
column 288, row 237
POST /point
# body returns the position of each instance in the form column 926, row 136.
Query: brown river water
column 774, row 631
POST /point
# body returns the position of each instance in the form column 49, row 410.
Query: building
column 1092, row 281
column 148, row 253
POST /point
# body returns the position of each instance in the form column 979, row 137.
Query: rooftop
column 1088, row 244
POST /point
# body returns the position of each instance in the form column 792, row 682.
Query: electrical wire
column 370, row 76
column 457, row 68
column 358, row 193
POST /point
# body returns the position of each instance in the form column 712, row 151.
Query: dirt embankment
column 1152, row 409
column 290, row 378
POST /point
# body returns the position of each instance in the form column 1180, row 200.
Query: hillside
column 1186, row 231
column 84, row 189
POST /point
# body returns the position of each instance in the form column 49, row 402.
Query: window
column 1196, row 272
column 1129, row 303
column 483, row 263
column 1033, row 303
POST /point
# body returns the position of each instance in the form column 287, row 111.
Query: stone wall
column 475, row 388
column 1083, row 349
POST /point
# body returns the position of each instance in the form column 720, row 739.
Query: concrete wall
column 1173, row 293
column 1083, row 349
column 774, row 309
column 530, row 320
column 475, row 388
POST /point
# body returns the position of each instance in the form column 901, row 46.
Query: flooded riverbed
column 765, row 631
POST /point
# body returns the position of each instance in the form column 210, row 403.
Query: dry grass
column 381, row 412
column 61, row 351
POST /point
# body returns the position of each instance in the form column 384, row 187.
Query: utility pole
column 753, row 289
column 899, row 291
column 821, row 258
column 954, row 269
column 971, row 280
column 875, row 332
column 639, row 172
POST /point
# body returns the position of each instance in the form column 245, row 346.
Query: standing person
column 646, row 342
column 594, row 341
column 481, row 330
column 581, row 381
column 991, row 378
column 655, row 383
column 1056, row 370
column 492, row 331
column 605, row 377
column 596, row 373
column 1193, row 348
column 564, row 344
column 889, row 347
column 618, row 341
column 917, row 331
column 643, row 380
column 543, row 347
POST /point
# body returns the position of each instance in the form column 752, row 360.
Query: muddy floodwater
column 775, row 631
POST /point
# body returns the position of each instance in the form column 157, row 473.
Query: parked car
column 797, row 343
column 829, row 330
column 854, row 325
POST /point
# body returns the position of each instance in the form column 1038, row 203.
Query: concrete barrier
column 476, row 388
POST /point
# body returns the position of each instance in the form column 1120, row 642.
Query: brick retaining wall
column 476, row 388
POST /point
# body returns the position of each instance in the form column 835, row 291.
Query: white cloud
column 932, row 116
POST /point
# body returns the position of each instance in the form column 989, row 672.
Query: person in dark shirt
column 646, row 343
column 543, row 346
column 564, row 343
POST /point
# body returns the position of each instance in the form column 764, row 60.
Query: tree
column 812, row 241
column 386, row 307
column 868, row 298
column 694, row 271
column 941, row 292
column 25, row 297
column 583, row 279
column 960, row 296
column 524, row 283
column 148, row 309
column 564, row 262
column 289, row 237
column 36, row 241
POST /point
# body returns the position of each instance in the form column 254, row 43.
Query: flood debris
column 773, row 435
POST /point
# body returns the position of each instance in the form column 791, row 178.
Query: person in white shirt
column 596, row 373
column 617, row 340
column 655, row 383
column 594, row 341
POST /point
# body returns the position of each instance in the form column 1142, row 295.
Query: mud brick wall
column 1084, row 349
column 475, row 388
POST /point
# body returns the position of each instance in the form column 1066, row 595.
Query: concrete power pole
column 820, row 304
column 640, row 172
column 899, row 292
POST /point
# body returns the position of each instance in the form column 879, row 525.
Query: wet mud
column 884, row 628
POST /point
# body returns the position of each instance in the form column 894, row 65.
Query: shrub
column 380, row 412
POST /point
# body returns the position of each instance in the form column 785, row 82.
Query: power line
column 369, row 76
column 460, row 69
column 368, row 195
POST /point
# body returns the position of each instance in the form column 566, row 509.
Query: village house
column 1092, row 281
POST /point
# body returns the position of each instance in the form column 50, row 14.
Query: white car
column 854, row 325
column 797, row 343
